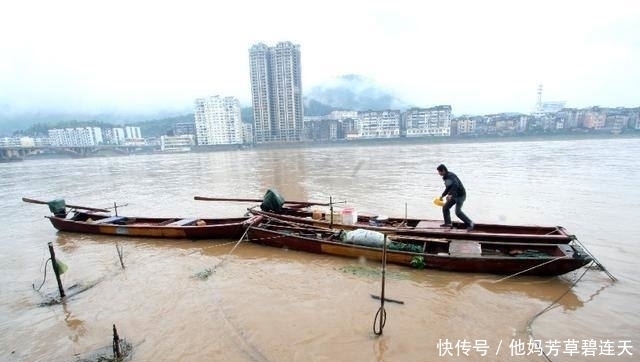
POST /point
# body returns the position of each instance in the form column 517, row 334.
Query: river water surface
column 267, row 304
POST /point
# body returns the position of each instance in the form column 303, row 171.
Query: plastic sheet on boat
column 272, row 201
column 364, row 237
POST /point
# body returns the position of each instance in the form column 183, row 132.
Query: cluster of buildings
column 79, row 137
column 278, row 114
column 278, row 117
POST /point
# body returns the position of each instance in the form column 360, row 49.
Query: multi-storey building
column 247, row 133
column 319, row 128
column 276, row 92
column 181, row 143
column 183, row 128
column 132, row 133
column 113, row 136
column 340, row 115
column 76, row 137
column 379, row 124
column 434, row 121
column 594, row 118
column 466, row 125
column 218, row 121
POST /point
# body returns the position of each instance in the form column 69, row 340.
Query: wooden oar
column 34, row 201
column 308, row 203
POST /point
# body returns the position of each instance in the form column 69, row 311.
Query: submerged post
column 56, row 271
column 116, row 344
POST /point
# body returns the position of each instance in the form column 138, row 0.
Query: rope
column 549, row 307
column 594, row 258
column 232, row 249
column 533, row 267
column 45, row 276
column 240, row 339
column 381, row 316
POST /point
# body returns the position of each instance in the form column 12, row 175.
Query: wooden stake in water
column 116, row 344
column 56, row 271
column 331, row 211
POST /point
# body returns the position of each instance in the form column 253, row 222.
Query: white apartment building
column 76, row 137
column 181, row 143
column 132, row 133
column 340, row 115
column 118, row 136
column 218, row 121
column 379, row 124
column 434, row 121
column 247, row 133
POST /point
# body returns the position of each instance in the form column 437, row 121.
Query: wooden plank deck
column 110, row 220
column 183, row 222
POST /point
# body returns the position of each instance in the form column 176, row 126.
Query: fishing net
column 58, row 207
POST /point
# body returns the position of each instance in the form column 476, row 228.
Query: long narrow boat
column 472, row 256
column 305, row 215
column 96, row 221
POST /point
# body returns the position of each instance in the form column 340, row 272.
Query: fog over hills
column 15, row 121
column 355, row 92
column 348, row 92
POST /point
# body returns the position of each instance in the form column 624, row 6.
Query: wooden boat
column 99, row 221
column 472, row 256
column 306, row 215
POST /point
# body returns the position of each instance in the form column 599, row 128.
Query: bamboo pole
column 307, row 203
column 34, row 201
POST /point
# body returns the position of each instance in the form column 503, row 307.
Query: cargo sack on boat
column 364, row 237
column 272, row 201
column 58, row 207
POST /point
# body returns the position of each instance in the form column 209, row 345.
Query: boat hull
column 228, row 228
column 552, row 259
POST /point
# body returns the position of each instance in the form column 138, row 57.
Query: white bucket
column 349, row 216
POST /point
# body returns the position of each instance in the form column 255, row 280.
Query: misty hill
column 348, row 92
column 353, row 92
column 11, row 122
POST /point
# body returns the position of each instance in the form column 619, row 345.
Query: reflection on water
column 76, row 325
column 268, row 304
column 553, row 290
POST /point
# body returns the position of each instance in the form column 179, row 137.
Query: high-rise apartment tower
column 276, row 92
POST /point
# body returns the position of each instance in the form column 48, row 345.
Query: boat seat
column 110, row 220
column 427, row 224
column 465, row 248
column 183, row 222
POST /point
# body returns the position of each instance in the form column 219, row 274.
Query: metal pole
column 384, row 269
column 381, row 316
column 55, row 270
column 331, row 211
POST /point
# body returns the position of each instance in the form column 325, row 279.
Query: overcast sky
column 478, row 56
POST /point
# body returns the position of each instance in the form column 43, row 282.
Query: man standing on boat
column 455, row 195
